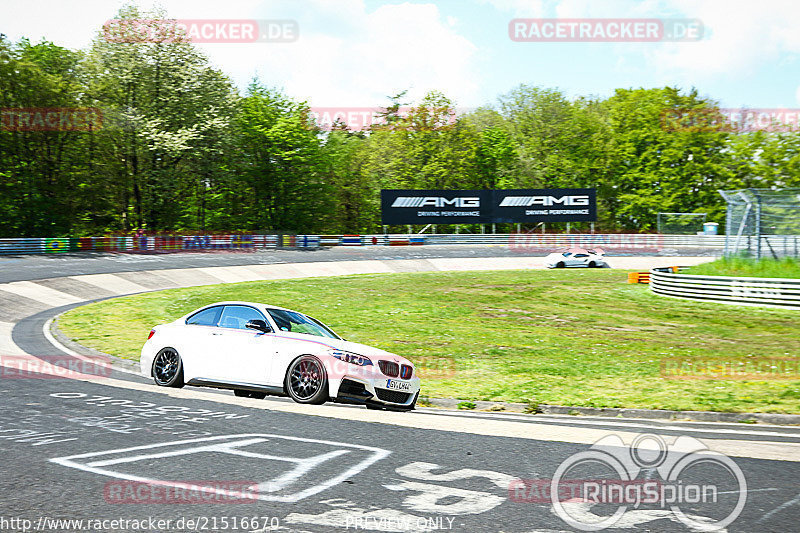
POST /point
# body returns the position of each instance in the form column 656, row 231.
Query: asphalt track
column 70, row 444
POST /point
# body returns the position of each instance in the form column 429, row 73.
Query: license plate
column 393, row 384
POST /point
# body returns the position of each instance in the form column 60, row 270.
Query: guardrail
column 770, row 292
column 521, row 242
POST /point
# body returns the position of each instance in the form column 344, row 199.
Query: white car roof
column 249, row 304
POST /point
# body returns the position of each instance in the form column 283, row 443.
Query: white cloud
column 68, row 24
column 359, row 57
column 519, row 8
column 346, row 55
column 797, row 95
column 741, row 36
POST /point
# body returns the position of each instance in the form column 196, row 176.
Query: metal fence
column 519, row 242
column 680, row 223
column 762, row 222
column 771, row 292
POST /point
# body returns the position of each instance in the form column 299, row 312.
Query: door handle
column 216, row 333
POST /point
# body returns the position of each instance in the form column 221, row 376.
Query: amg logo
column 527, row 201
column 436, row 201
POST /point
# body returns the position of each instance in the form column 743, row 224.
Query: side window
column 206, row 317
column 236, row 316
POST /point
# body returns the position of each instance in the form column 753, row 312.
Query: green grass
column 575, row 337
column 745, row 267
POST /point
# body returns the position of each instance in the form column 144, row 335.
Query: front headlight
column 350, row 357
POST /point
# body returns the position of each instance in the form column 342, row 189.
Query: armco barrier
column 519, row 242
column 771, row 292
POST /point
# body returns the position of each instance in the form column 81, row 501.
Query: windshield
column 299, row 323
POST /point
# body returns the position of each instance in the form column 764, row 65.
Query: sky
column 357, row 52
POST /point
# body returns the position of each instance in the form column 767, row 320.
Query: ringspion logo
column 593, row 489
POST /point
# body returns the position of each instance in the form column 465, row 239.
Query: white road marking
column 7, row 345
column 52, row 340
column 427, row 497
column 348, row 515
column 229, row 274
column 781, row 507
column 111, row 283
column 303, row 464
column 422, row 471
column 40, row 293
column 778, row 451
column 637, row 425
column 582, row 512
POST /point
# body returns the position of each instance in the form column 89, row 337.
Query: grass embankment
column 568, row 337
column 744, row 267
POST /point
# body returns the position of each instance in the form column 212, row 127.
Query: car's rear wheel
column 168, row 368
column 592, row 264
column 560, row 264
column 241, row 393
column 306, row 380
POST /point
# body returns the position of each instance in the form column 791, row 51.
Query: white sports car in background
column 256, row 349
column 577, row 257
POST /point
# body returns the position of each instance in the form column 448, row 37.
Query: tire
column 241, row 393
column 560, row 264
column 306, row 381
column 167, row 368
column 592, row 264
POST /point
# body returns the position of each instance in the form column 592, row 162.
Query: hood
column 360, row 349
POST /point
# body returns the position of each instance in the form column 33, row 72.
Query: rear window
column 206, row 317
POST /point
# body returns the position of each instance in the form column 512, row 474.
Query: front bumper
column 146, row 360
column 376, row 392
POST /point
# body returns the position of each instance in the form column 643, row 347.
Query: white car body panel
column 576, row 258
column 246, row 356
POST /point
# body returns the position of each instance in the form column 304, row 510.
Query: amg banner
column 411, row 206
column 544, row 205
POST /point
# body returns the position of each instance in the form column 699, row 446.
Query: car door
column 580, row 259
column 241, row 355
column 195, row 339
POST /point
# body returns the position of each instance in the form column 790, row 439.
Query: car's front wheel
column 306, row 380
column 560, row 264
column 168, row 368
column 592, row 264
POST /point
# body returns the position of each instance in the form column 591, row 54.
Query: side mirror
column 258, row 325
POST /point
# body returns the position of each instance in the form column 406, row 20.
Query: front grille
column 389, row 368
column 392, row 396
column 406, row 372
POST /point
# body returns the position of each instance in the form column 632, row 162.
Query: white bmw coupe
column 256, row 349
